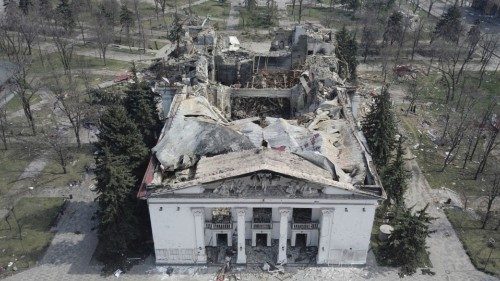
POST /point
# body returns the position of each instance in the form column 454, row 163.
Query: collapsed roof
column 197, row 130
column 317, row 141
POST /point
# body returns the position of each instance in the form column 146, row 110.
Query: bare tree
column 64, row 45
column 460, row 123
column 29, row 28
column 139, row 24
column 15, row 47
column 416, row 38
column 480, row 128
column 78, row 9
column 490, row 145
column 163, row 6
column 26, row 89
column 487, row 50
column 103, row 33
column 126, row 21
column 452, row 61
column 70, row 101
column 59, row 144
column 491, row 194
column 406, row 25
column 369, row 34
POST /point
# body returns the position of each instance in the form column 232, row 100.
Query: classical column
column 325, row 235
column 284, row 213
column 242, row 256
column 199, row 227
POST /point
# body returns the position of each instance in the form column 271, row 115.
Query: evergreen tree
column 126, row 20
column 379, row 128
column 449, row 25
column 271, row 10
column 406, row 245
column 394, row 28
column 25, row 6
column 119, row 135
column 176, row 32
column 118, row 223
column 140, row 102
column 109, row 9
column 64, row 16
column 395, row 176
column 346, row 52
column 45, row 8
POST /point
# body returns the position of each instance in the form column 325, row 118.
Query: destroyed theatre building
column 260, row 158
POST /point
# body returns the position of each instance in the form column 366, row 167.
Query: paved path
column 446, row 251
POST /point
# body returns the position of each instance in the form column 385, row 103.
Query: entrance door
column 301, row 240
column 221, row 239
column 261, row 239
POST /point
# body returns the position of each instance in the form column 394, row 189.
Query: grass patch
column 35, row 216
column 430, row 156
column 213, row 9
column 255, row 18
column 329, row 17
column 15, row 103
column 474, row 240
column 12, row 163
column 41, row 66
column 53, row 176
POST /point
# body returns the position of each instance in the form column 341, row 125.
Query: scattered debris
column 117, row 273
column 269, row 267
column 428, row 271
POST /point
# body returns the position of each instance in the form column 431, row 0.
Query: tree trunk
column 28, row 113
column 466, row 157
column 76, row 129
column 62, row 161
column 415, row 41
column 489, row 148
column 4, row 138
column 141, row 30
column 300, row 10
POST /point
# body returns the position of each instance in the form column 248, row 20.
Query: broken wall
column 299, row 51
column 231, row 71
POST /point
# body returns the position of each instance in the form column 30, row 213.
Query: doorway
column 261, row 239
column 221, row 239
column 301, row 240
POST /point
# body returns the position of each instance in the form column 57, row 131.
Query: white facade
column 340, row 225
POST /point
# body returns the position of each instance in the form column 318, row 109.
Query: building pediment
column 260, row 184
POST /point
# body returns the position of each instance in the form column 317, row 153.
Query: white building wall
column 173, row 230
column 351, row 231
column 174, row 226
